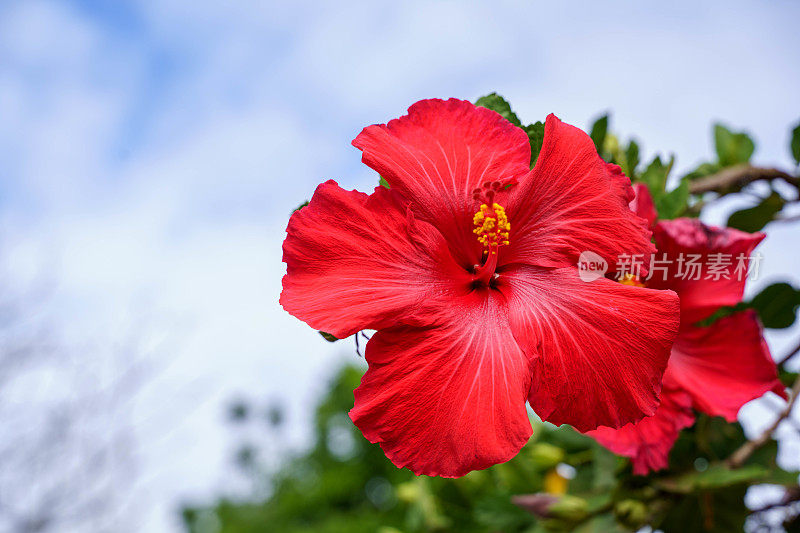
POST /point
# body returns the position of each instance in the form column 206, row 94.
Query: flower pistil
column 491, row 223
column 491, row 227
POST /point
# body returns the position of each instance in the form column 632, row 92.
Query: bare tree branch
column 741, row 455
column 783, row 360
column 791, row 496
column 734, row 178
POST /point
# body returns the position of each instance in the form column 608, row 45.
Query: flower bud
column 631, row 513
column 546, row 455
column 565, row 507
column 408, row 492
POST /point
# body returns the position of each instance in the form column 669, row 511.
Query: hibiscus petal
column 449, row 399
column 700, row 293
column 361, row 262
column 438, row 154
column 573, row 201
column 649, row 441
column 643, row 205
column 725, row 365
column 599, row 348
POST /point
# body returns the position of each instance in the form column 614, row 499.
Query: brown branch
column 794, row 218
column 734, row 178
column 785, row 359
column 741, row 455
column 792, row 496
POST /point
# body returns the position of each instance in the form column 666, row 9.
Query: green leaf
column 496, row 513
column 795, row 144
column 732, row 148
column 708, row 512
column 497, row 103
column 655, row 176
column 779, row 476
column 756, row 217
column 500, row 105
column 299, row 207
column 702, row 170
column 719, row 476
column 777, row 305
column 383, row 183
column 535, row 133
column 722, row 312
column 328, row 337
column 673, row 203
column 604, row 523
column 786, row 377
column 632, row 513
column 605, row 467
column 598, row 134
column 631, row 160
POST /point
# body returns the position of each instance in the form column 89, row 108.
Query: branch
column 734, row 178
column 783, row 360
column 794, row 218
column 741, row 455
column 792, row 496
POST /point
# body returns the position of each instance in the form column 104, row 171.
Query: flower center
column 491, row 222
column 491, row 227
column 632, row 280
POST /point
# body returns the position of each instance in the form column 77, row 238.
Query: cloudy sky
column 150, row 153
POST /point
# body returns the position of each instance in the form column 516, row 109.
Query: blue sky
column 150, row 153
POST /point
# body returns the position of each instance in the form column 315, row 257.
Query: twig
column 358, row 344
column 741, row 455
column 783, row 360
column 792, row 496
column 776, row 406
column 734, row 178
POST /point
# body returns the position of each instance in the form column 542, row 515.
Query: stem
column 792, row 496
column 734, row 178
column 794, row 218
column 741, row 455
column 785, row 359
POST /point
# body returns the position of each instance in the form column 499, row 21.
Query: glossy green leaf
column 631, row 160
column 655, row 176
column 732, row 148
column 673, row 203
column 328, row 337
column 777, row 305
column 702, row 170
column 497, row 103
column 605, row 468
column 720, row 511
column 755, row 218
column 794, row 144
column 598, row 133
column 535, row 133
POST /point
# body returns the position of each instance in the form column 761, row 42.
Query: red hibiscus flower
column 466, row 268
column 714, row 369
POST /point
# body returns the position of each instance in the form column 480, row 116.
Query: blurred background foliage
column 561, row 480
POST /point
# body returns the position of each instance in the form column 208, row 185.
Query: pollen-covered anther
column 491, row 226
column 632, row 280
